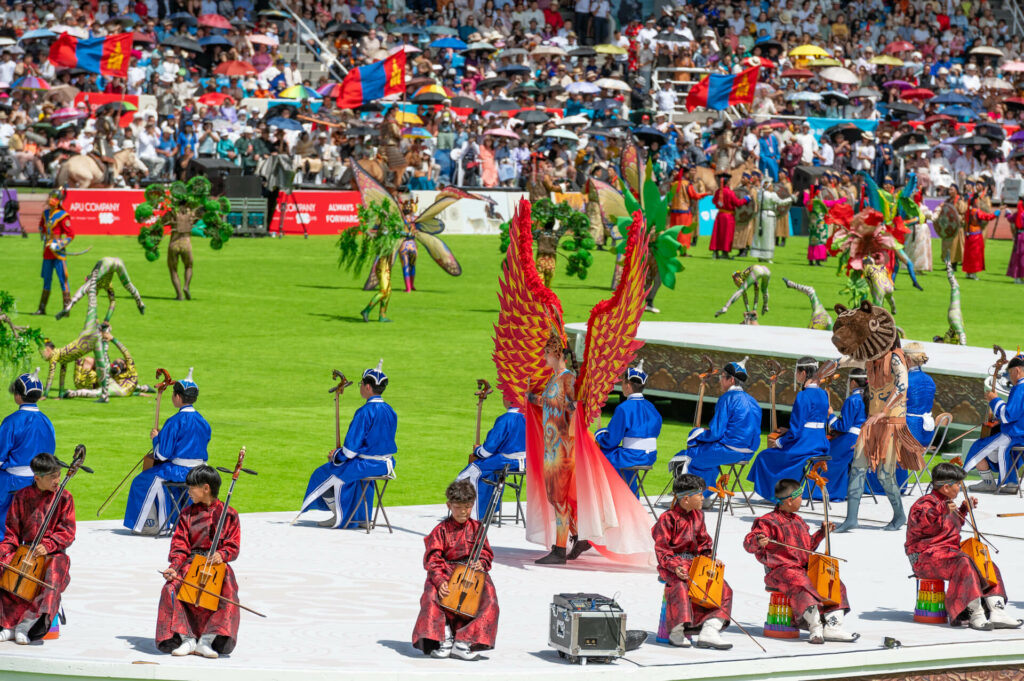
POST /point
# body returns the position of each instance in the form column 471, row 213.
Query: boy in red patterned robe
column 22, row 620
column 182, row 628
column 439, row 632
column 680, row 536
column 933, row 547
column 786, row 568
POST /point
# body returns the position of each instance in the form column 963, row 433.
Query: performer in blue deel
column 368, row 452
column 505, row 444
column 993, row 452
column 845, row 429
column 178, row 447
column 631, row 438
column 23, row 434
column 920, row 395
column 733, row 434
column 804, row 439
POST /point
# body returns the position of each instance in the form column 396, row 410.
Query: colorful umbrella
column 416, row 133
column 838, row 74
column 917, row 93
column 958, row 111
column 901, row 84
column 887, row 60
column 405, row 117
column 797, row 73
column 214, row 21
column 215, row 99
column 285, row 123
column 298, row 92
column 235, row 68
column 209, row 40
column 824, row 61
column 1013, row 66
column 68, row 114
column 448, row 43
column 502, row 132
column 36, row 34
column 609, row 49
column 30, row 83
column 808, row 51
column 899, row 46
column 330, row 90
column 263, row 39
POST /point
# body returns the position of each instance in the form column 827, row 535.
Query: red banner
column 103, row 211
column 94, row 100
column 322, row 212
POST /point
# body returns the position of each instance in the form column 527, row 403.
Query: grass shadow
column 339, row 318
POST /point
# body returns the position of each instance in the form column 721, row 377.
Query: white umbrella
column 548, row 51
column 996, row 84
column 612, row 84
column 986, row 49
column 562, row 134
column 803, row 97
column 838, row 74
column 582, row 87
column 7, row 41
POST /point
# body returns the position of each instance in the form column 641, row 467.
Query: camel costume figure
column 868, row 334
column 956, row 334
column 757, row 277
column 820, row 318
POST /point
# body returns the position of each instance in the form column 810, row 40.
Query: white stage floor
column 344, row 601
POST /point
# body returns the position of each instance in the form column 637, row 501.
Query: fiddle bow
column 23, row 577
column 823, row 570
column 709, row 371
column 775, row 373
column 202, row 583
column 483, row 390
column 163, row 385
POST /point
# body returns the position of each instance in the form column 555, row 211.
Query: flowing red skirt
column 974, row 253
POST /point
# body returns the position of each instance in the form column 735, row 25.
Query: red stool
column 931, row 602
column 779, row 623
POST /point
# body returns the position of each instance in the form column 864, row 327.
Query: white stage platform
column 344, row 603
column 672, row 355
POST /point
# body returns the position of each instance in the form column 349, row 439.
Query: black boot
column 556, row 557
column 42, row 303
column 578, row 547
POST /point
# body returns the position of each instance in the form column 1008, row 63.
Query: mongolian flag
column 719, row 92
column 107, row 56
column 367, row 83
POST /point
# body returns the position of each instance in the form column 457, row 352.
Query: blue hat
column 377, row 376
column 738, row 370
column 30, row 385
column 637, row 373
column 188, row 386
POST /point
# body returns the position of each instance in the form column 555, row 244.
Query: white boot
column 711, row 636
column 462, row 651
column 21, row 638
column 997, row 614
column 205, row 646
column 187, row 647
column 814, row 626
column 445, row 649
column 834, row 628
column 977, row 616
column 6, row 634
column 677, row 636
column 330, row 522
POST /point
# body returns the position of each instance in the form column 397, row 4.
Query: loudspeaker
column 214, row 169
column 805, row 176
column 243, row 186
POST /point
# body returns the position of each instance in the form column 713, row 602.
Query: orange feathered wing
column 611, row 331
column 529, row 312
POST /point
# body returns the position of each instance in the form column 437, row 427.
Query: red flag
column 720, row 91
column 107, row 56
column 374, row 81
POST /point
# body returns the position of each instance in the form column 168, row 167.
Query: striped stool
column 54, row 631
column 779, row 623
column 931, row 602
column 662, row 636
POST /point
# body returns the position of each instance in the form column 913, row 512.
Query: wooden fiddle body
column 974, row 547
column 774, row 431
column 823, row 570
column 29, row 584
column 466, row 584
column 707, row 573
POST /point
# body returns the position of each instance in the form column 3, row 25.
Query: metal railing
column 1014, row 8
column 326, row 55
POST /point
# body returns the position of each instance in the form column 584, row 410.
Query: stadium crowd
column 499, row 89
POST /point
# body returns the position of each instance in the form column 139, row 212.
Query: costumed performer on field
column 368, row 451
column 631, row 436
column 805, row 439
column 55, row 232
column 733, row 434
column 575, row 492
column 868, row 334
column 726, row 202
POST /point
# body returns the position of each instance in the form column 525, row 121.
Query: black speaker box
column 243, row 186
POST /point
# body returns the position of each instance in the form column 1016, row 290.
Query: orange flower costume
column 572, row 488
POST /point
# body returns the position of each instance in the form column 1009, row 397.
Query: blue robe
column 505, row 444
column 804, row 439
column 769, row 157
column 733, row 435
column 23, row 434
column 841, row 446
column 367, row 453
column 920, row 401
column 996, row 448
column 631, row 436
column 179, row 447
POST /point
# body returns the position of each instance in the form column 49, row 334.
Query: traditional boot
column 677, row 636
column 892, row 493
column 556, row 557
column 6, row 634
column 187, row 647
column 854, row 491
column 578, row 547
column 977, row 616
column 365, row 314
column 21, row 631
column 997, row 614
column 444, row 650
column 205, row 647
column 42, row 303
column 462, row 651
column 834, row 628
column 814, row 626
column 408, row 284
column 67, row 299
column 711, row 635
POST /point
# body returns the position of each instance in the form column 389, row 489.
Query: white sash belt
column 815, row 425
column 382, row 457
column 741, row 450
column 854, row 431
column 927, row 420
column 520, row 456
column 648, row 444
column 20, row 471
column 188, row 463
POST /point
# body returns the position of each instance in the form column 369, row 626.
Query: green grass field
column 271, row 318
